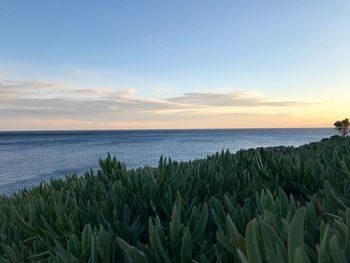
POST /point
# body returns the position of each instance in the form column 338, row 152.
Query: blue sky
column 164, row 51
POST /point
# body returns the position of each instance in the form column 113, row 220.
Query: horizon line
column 160, row 129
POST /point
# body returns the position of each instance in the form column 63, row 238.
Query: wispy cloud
column 48, row 101
column 237, row 98
column 162, row 90
column 77, row 72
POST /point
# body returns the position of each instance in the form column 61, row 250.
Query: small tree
column 342, row 127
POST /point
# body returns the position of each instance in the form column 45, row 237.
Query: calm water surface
column 26, row 158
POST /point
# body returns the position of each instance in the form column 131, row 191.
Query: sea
column 27, row 158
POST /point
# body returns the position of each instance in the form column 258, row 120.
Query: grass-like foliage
column 279, row 204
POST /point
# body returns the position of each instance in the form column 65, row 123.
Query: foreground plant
column 280, row 204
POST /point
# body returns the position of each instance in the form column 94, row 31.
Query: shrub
column 278, row 204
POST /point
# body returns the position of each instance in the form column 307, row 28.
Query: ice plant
column 280, row 204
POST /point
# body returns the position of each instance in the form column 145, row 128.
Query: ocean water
column 26, row 158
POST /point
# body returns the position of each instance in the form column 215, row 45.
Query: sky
column 76, row 65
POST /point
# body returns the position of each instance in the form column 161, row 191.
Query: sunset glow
column 168, row 66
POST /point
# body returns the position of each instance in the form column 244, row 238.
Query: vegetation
column 280, row 204
column 342, row 127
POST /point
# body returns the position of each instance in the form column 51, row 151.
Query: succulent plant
column 278, row 204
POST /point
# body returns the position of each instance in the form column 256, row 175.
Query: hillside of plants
column 278, row 204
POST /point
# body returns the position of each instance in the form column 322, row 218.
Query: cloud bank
column 34, row 104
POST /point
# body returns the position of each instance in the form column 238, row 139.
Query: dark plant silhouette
column 342, row 127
